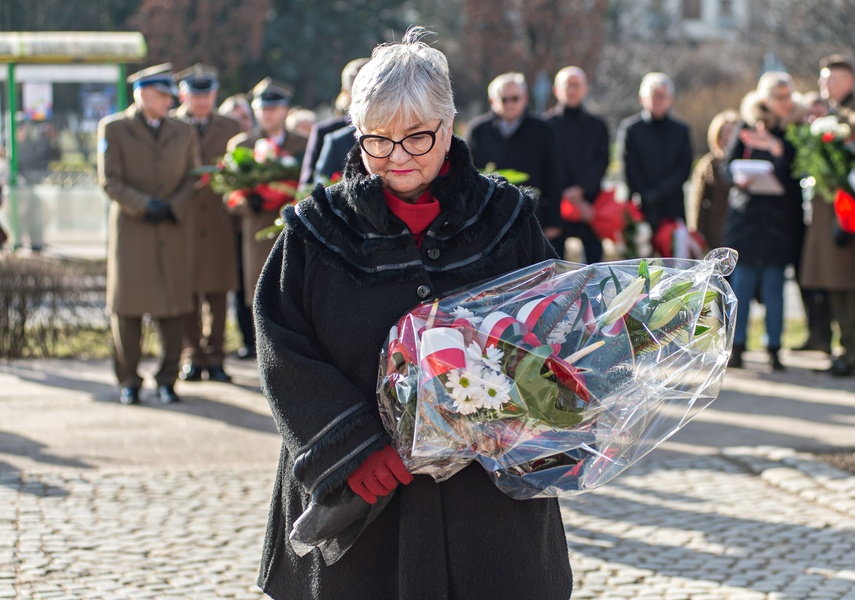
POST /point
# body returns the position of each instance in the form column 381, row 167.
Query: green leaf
column 539, row 394
column 676, row 290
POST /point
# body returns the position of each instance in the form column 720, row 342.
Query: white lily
column 623, row 302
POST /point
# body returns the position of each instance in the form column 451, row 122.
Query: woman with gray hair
column 766, row 226
column 411, row 219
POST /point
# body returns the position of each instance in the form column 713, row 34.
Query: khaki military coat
column 210, row 225
column 148, row 266
column 255, row 252
column 824, row 264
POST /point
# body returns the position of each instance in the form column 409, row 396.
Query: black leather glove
column 158, row 211
column 255, row 201
column 841, row 238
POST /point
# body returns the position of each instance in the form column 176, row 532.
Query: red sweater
column 419, row 215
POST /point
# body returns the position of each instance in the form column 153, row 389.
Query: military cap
column 269, row 93
column 158, row 77
column 837, row 61
column 198, row 79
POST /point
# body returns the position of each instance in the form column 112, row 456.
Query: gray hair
column 651, row 81
column 771, row 80
column 566, row 73
column 494, row 90
column 405, row 80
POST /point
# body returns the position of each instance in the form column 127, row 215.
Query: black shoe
column 840, row 368
column 812, row 345
column 191, row 373
column 246, row 353
column 735, row 360
column 216, row 373
column 777, row 365
column 167, row 394
column 129, row 395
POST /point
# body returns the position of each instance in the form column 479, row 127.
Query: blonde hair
column 716, row 125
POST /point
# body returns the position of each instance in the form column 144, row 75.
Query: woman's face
column 404, row 175
column 780, row 101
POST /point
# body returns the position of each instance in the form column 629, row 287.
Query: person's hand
column 760, row 139
column 158, row 211
column 742, row 181
column 379, row 475
column 841, row 237
column 551, row 233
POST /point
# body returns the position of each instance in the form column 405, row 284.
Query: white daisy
column 464, row 313
column 497, row 389
column 493, row 358
column 466, row 390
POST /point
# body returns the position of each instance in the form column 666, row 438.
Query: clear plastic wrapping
column 557, row 377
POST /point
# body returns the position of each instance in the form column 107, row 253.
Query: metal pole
column 121, row 89
column 11, row 94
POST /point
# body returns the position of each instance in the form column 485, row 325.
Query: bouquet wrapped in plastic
column 557, row 377
column 266, row 170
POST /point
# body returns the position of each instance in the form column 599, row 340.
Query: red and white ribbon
column 496, row 326
column 442, row 350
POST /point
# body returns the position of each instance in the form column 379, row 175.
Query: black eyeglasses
column 415, row 144
column 509, row 99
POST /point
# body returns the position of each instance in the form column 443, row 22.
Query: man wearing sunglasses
column 508, row 137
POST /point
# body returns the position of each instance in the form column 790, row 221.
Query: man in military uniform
column 144, row 163
column 270, row 103
column 210, row 229
column 828, row 253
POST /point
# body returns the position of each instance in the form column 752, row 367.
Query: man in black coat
column 583, row 142
column 656, row 152
column 509, row 138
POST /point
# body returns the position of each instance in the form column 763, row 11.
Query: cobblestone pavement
column 103, row 501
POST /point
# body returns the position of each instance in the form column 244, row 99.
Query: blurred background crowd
column 648, row 101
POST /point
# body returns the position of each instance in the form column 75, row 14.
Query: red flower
column 828, row 137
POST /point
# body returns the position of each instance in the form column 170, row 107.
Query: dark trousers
column 590, row 242
column 817, row 305
column 242, row 311
column 127, row 340
column 843, row 311
column 204, row 338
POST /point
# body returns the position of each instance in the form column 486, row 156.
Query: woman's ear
column 449, row 135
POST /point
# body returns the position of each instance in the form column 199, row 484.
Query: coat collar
column 451, row 190
column 168, row 128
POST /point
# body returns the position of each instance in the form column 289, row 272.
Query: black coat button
column 423, row 291
column 433, row 254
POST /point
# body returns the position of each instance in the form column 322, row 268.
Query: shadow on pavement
column 50, row 374
column 209, row 408
column 748, row 541
column 14, row 444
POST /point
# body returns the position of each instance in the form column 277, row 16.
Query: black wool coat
column 657, row 161
column 532, row 149
column 342, row 273
column 583, row 143
column 765, row 229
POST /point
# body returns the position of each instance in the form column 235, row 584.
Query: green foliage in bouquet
column 825, row 152
column 239, row 170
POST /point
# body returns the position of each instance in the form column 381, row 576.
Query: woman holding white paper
column 765, row 221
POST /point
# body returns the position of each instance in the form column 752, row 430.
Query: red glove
column 379, row 475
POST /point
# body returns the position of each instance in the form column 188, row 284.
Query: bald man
column 583, row 141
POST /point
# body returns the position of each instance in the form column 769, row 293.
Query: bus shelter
column 57, row 86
